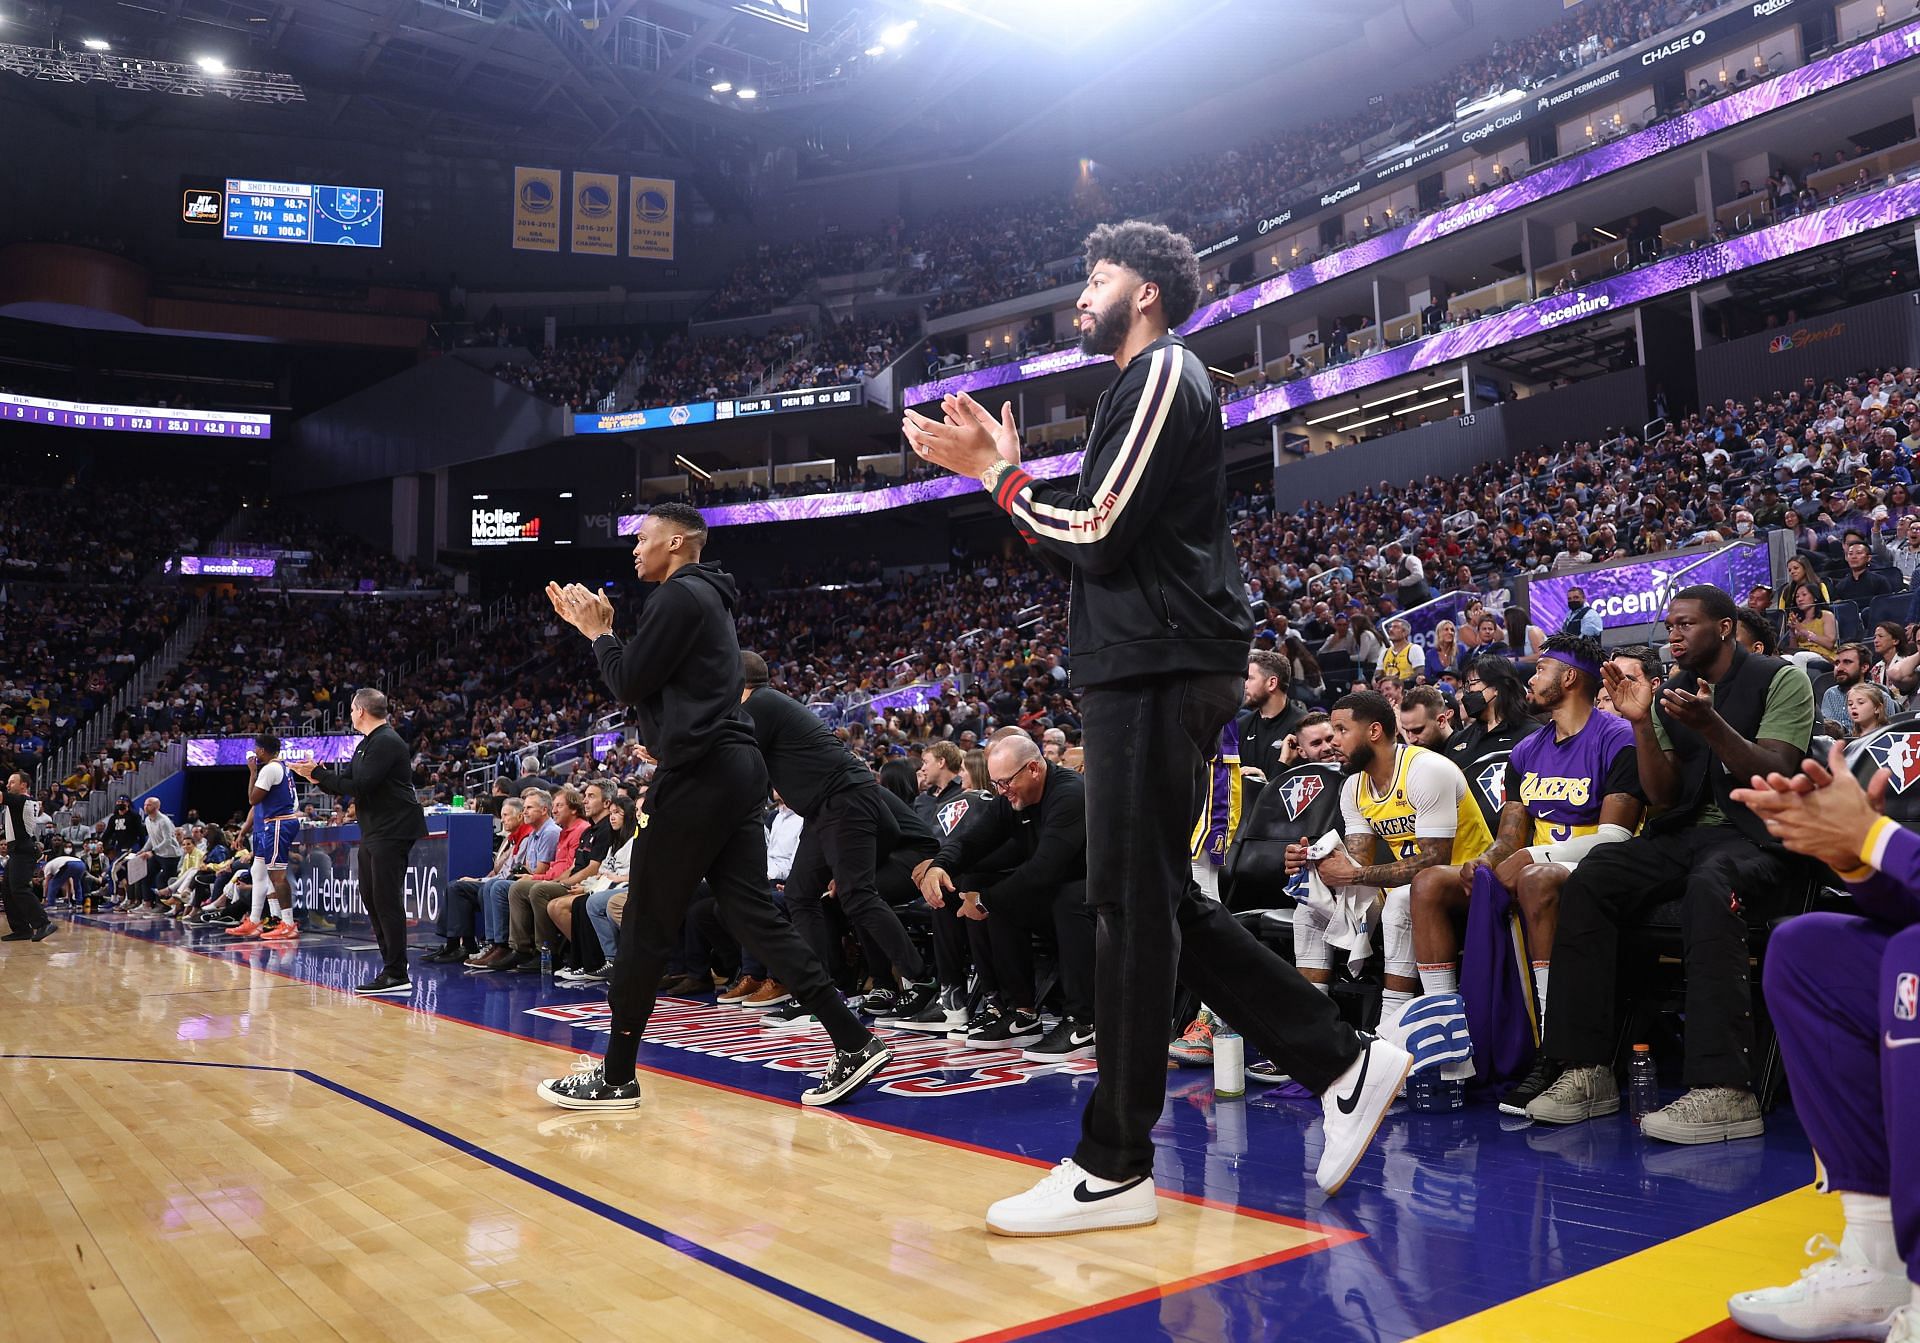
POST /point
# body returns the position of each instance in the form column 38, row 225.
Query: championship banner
column 596, row 213
column 650, row 218
column 536, row 209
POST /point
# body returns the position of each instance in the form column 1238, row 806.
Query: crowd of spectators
column 578, row 372
column 104, row 530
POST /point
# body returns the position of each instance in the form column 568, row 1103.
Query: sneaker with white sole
column 1194, row 1048
column 1905, row 1327
column 586, row 1088
column 1839, row 1295
column 1707, row 1114
column 946, row 1013
column 789, row 1018
column 1069, row 1039
column 1576, row 1094
column 1005, row 1030
column 1267, row 1073
column 1070, row 1199
column 1354, row 1106
column 850, row 1070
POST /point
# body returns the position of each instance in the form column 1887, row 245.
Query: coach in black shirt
column 380, row 780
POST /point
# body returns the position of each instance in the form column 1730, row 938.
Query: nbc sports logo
column 1297, row 794
column 1906, row 997
column 1898, row 753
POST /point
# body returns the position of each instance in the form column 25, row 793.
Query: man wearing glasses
column 1038, row 813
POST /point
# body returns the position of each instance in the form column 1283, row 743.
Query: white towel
column 1354, row 910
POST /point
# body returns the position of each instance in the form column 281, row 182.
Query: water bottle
column 546, row 959
column 459, row 802
column 1643, row 1083
column 1229, row 1063
column 1431, row 1093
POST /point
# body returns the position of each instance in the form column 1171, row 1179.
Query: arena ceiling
column 638, row 78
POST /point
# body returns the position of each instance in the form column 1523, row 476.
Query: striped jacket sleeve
column 1143, row 440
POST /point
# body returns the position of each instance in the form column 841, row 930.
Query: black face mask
column 1473, row 704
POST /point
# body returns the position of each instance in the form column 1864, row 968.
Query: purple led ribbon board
column 1637, row 592
column 853, row 502
column 327, row 750
column 1858, row 215
column 227, row 566
column 1875, row 54
column 131, row 419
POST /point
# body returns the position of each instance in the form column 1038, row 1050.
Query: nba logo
column 1906, row 997
column 1298, row 794
column 1493, row 783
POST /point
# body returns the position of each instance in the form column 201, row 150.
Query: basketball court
column 214, row 1141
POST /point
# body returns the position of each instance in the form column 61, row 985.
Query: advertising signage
column 1592, row 85
column 707, row 412
column 1878, row 53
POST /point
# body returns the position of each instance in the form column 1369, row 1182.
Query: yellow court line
column 1667, row 1292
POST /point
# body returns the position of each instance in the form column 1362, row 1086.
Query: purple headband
column 1573, row 660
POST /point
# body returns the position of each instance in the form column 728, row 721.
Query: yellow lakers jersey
column 1397, row 663
column 1391, row 816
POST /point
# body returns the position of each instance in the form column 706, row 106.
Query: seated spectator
column 1703, row 848
column 463, row 910
column 538, row 853
column 587, row 917
column 1860, row 584
column 1811, row 626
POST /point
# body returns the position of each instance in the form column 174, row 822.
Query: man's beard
column 1109, row 329
column 1358, row 761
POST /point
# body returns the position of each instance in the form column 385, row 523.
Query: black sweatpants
column 1148, row 741
column 1716, row 872
column 382, row 868
column 24, row 914
column 704, row 821
column 842, row 844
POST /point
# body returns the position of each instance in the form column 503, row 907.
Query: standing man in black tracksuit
column 379, row 778
column 849, row 829
column 681, row 671
column 1039, row 812
column 1159, row 628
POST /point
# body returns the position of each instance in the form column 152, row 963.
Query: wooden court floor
column 194, row 1149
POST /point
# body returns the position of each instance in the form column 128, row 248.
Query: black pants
column 1010, row 926
column 1148, row 741
column 709, row 946
column 1615, row 887
column 24, row 913
column 382, row 868
column 460, row 911
column 704, row 821
column 842, row 843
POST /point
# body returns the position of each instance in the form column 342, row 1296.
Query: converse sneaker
column 1005, row 1030
column 1194, row 1048
column 1839, row 1295
column 586, row 1088
column 1516, row 1099
column 1354, row 1106
column 849, row 1072
column 1577, row 1093
column 947, row 1012
column 1070, row 1199
column 1069, row 1039
column 1707, row 1114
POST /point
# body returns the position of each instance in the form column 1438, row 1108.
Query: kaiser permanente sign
column 1592, row 85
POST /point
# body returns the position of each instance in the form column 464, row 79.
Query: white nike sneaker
column 1069, row 1200
column 1905, row 1327
column 1354, row 1106
column 1838, row 1296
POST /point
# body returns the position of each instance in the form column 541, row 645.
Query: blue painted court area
column 1447, row 1216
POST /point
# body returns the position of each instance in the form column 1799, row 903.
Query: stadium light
column 95, row 44
column 876, row 50
column 747, row 95
column 723, row 86
column 213, row 65
column 896, row 34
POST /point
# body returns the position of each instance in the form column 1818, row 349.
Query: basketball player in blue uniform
column 274, row 818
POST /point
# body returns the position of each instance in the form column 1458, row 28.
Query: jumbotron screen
column 303, row 212
column 513, row 519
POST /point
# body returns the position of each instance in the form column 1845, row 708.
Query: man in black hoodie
column 1159, row 626
column 849, row 830
column 681, row 671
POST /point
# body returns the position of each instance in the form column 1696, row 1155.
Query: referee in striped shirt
column 1159, row 627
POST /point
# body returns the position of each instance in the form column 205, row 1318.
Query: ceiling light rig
column 207, row 77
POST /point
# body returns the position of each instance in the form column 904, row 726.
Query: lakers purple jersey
column 1562, row 783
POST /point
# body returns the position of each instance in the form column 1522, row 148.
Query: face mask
column 1473, row 703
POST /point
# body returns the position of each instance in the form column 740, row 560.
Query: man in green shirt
column 1722, row 716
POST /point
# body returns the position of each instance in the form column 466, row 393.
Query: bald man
column 1038, row 810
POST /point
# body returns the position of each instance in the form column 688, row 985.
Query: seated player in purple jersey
column 1570, row 787
column 1844, row 992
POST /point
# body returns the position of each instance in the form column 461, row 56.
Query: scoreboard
column 302, row 212
column 132, row 419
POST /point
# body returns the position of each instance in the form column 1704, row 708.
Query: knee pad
column 1310, row 937
column 1396, row 932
